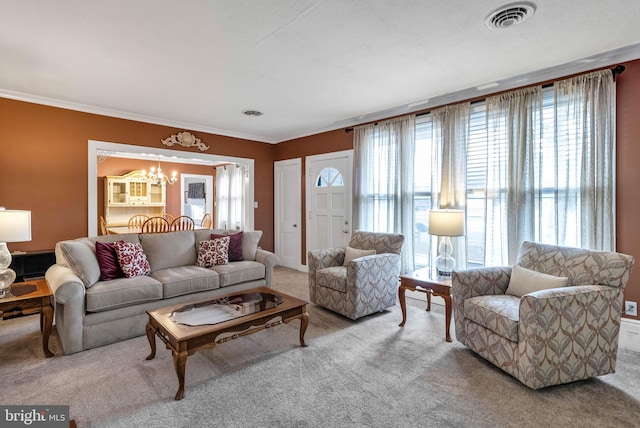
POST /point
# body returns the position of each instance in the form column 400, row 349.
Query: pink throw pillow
column 132, row 259
column 235, row 245
column 108, row 261
column 213, row 252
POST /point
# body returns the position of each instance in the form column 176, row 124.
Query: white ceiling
column 309, row 65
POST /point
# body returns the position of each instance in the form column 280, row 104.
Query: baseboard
column 629, row 339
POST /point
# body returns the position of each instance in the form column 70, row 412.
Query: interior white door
column 329, row 199
column 288, row 208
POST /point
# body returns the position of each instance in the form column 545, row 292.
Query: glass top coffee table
column 187, row 328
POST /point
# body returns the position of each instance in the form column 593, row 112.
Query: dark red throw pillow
column 108, row 261
column 235, row 245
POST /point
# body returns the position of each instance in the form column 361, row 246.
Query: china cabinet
column 131, row 194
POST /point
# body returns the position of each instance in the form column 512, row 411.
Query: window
column 329, row 177
column 560, row 193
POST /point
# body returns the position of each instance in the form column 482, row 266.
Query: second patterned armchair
column 365, row 284
column 553, row 318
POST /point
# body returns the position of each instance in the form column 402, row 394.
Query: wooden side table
column 424, row 281
column 37, row 299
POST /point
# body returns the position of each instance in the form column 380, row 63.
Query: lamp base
column 7, row 276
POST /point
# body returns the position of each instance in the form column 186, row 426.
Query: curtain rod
column 618, row 69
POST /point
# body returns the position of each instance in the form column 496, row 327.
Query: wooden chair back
column 103, row 226
column 183, row 222
column 136, row 221
column 207, row 221
column 169, row 217
column 155, row 225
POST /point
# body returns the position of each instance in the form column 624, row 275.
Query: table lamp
column 15, row 226
column 446, row 223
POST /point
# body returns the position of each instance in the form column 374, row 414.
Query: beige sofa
column 90, row 312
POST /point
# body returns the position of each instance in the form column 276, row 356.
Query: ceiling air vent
column 254, row 113
column 510, row 14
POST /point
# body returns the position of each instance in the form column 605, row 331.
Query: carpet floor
column 364, row 373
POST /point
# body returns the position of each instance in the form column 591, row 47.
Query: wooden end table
column 425, row 281
column 37, row 301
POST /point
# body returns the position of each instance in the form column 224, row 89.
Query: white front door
column 329, row 200
column 288, row 208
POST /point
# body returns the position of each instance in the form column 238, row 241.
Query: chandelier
column 157, row 177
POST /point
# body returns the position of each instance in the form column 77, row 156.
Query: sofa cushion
column 132, row 259
column 250, row 240
column 238, row 272
column 108, row 261
column 181, row 280
column 235, row 245
column 354, row 253
column 334, row 277
column 524, row 281
column 170, row 249
column 213, row 252
column 106, row 295
column 499, row 313
column 81, row 258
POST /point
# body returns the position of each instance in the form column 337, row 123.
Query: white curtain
column 514, row 128
column 383, row 180
column 230, row 185
column 450, row 134
column 550, row 179
column 588, row 102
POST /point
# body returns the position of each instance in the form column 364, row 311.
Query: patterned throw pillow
column 132, row 259
column 108, row 261
column 235, row 245
column 214, row 252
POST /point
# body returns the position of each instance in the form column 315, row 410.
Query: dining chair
column 103, row 226
column 207, row 221
column 155, row 225
column 136, row 221
column 183, row 222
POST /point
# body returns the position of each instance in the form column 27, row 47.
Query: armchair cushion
column 354, row 253
column 524, row 281
column 498, row 313
column 334, row 277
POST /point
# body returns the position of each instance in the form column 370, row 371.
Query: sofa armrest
column 269, row 260
column 471, row 283
column 69, row 295
column 560, row 327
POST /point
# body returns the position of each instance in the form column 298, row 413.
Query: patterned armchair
column 366, row 284
column 551, row 336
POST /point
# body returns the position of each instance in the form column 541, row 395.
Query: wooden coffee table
column 188, row 328
column 424, row 281
column 30, row 298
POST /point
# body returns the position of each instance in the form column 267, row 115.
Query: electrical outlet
column 631, row 308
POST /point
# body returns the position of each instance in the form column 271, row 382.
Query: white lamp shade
column 15, row 225
column 446, row 222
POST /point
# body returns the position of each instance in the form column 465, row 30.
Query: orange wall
column 44, row 166
column 628, row 172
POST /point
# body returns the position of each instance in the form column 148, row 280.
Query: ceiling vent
column 510, row 14
column 253, row 113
